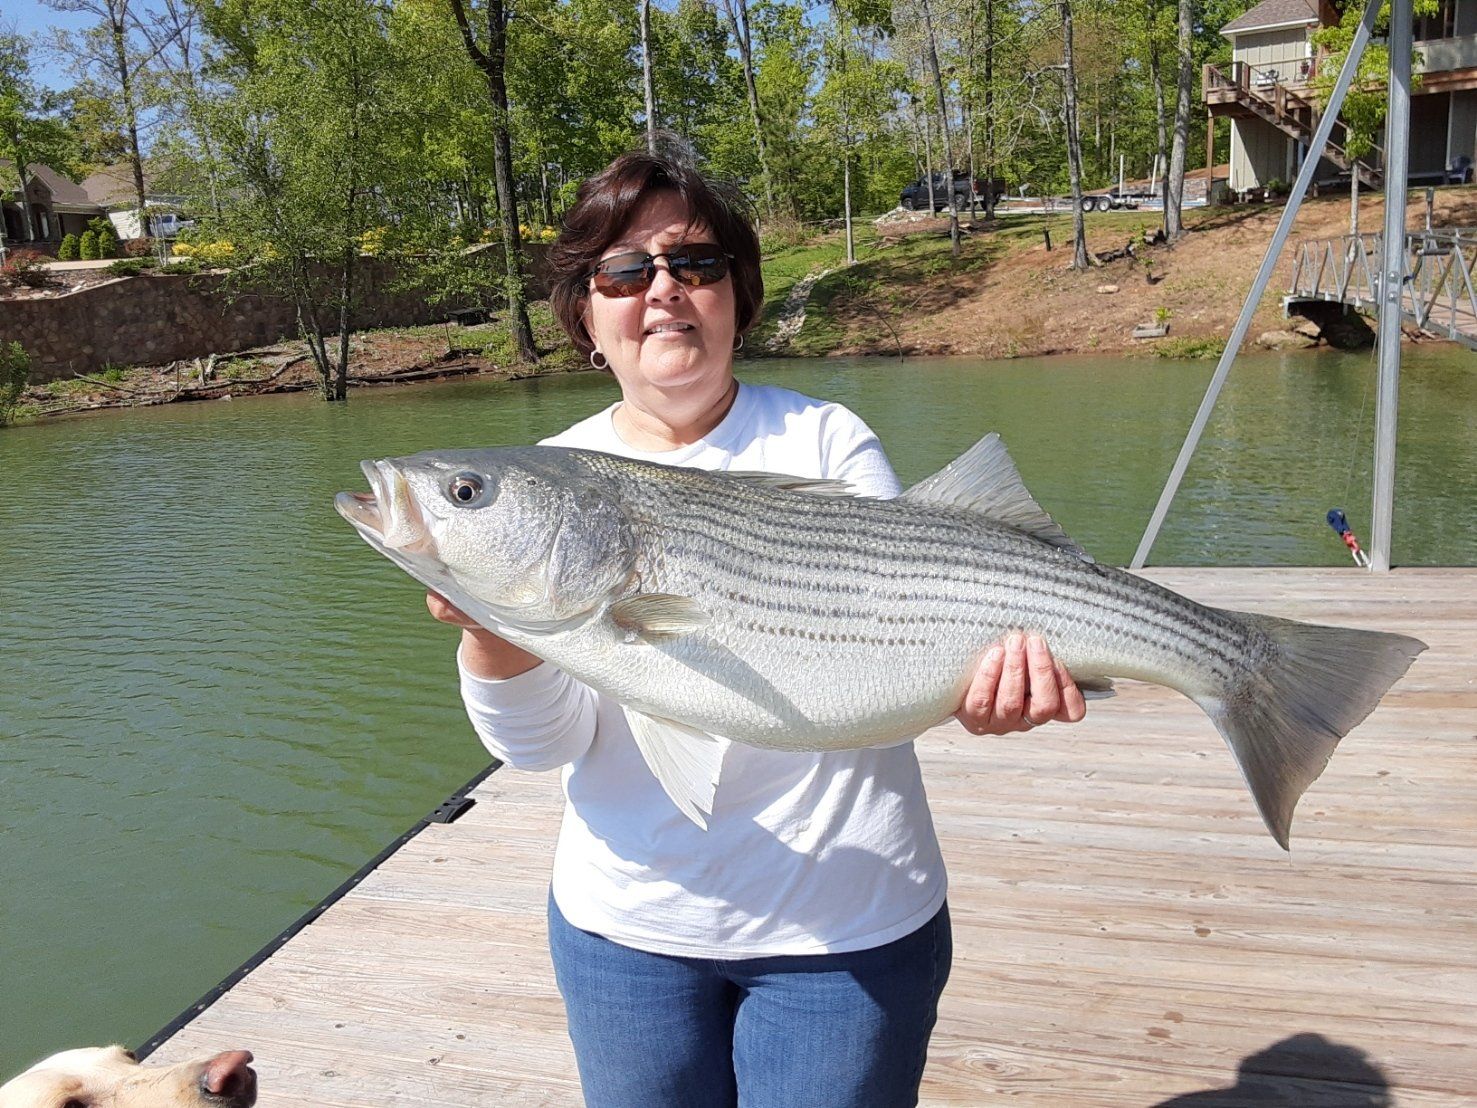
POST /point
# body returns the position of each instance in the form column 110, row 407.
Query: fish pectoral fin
column 658, row 615
column 1096, row 688
column 686, row 761
column 984, row 479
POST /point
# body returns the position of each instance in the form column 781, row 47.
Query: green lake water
column 216, row 702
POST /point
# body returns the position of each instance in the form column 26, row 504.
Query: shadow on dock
column 1305, row 1070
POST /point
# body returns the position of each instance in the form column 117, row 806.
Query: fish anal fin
column 1096, row 688
column 658, row 615
column 688, row 762
column 984, row 479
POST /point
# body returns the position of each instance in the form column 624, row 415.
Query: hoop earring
column 603, row 363
column 738, row 344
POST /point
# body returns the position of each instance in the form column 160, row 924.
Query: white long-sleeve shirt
column 804, row 853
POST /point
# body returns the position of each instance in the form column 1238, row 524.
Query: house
column 58, row 207
column 1265, row 94
column 112, row 188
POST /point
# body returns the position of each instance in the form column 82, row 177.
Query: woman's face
column 670, row 335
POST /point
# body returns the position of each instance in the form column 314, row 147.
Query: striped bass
column 784, row 613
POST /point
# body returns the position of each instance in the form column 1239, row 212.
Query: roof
column 65, row 193
column 1273, row 13
column 112, row 186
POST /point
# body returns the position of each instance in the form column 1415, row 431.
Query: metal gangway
column 1437, row 294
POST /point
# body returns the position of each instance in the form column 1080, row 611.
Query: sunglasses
column 693, row 263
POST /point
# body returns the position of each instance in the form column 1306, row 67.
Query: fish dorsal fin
column 658, row 615
column 984, row 479
column 686, row 761
column 815, row 486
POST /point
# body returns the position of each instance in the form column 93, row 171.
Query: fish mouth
column 389, row 515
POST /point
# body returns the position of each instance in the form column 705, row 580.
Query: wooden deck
column 1125, row 930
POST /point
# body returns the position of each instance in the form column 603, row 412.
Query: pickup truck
column 945, row 193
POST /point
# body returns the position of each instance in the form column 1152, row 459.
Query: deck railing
column 1438, row 294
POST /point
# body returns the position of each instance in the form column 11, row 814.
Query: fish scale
column 777, row 612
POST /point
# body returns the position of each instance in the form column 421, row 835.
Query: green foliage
column 1186, row 348
column 70, row 249
column 15, row 371
column 1363, row 110
column 131, row 267
column 31, row 128
column 88, row 246
column 107, row 244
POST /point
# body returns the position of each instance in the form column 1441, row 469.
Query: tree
column 29, row 129
column 1363, row 111
column 310, row 126
column 646, row 78
column 491, row 60
column 1175, row 193
column 1074, row 137
column 737, row 12
column 108, row 55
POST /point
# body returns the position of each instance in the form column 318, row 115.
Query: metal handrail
column 1439, row 291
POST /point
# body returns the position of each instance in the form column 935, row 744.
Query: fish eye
column 466, row 488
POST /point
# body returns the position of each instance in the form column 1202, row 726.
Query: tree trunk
column 938, row 84
column 646, row 76
column 338, row 388
column 1074, row 138
column 117, row 14
column 1354, row 201
column 989, row 109
column 1156, row 73
column 738, row 21
column 26, row 217
column 492, row 63
column 1173, row 225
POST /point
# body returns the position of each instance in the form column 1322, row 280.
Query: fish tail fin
column 1309, row 687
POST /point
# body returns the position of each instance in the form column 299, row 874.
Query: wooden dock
column 1126, row 933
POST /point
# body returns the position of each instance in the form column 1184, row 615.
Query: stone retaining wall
column 148, row 320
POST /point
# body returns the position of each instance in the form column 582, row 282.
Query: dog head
column 111, row 1077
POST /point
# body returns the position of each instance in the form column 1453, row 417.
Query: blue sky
column 31, row 17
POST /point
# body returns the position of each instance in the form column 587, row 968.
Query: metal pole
column 1392, row 287
column 1263, row 275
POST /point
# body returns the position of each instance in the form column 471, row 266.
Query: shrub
column 15, row 371
column 107, row 244
column 25, row 267
column 130, row 267
column 138, row 248
column 184, row 267
column 216, row 253
column 182, row 250
column 70, row 249
column 780, row 233
column 88, row 246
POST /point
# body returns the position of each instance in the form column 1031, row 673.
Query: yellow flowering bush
column 372, row 241
column 221, row 252
column 182, row 250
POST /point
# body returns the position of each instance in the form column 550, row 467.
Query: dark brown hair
column 604, row 206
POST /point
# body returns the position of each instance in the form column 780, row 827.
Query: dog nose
column 229, row 1074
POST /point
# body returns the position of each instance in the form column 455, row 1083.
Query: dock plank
column 1125, row 930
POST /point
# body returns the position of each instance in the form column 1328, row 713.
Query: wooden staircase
column 1262, row 91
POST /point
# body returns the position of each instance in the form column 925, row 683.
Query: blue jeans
column 799, row 1031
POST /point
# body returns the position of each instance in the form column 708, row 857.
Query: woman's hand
column 482, row 653
column 1018, row 686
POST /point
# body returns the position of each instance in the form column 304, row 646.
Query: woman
column 793, row 953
